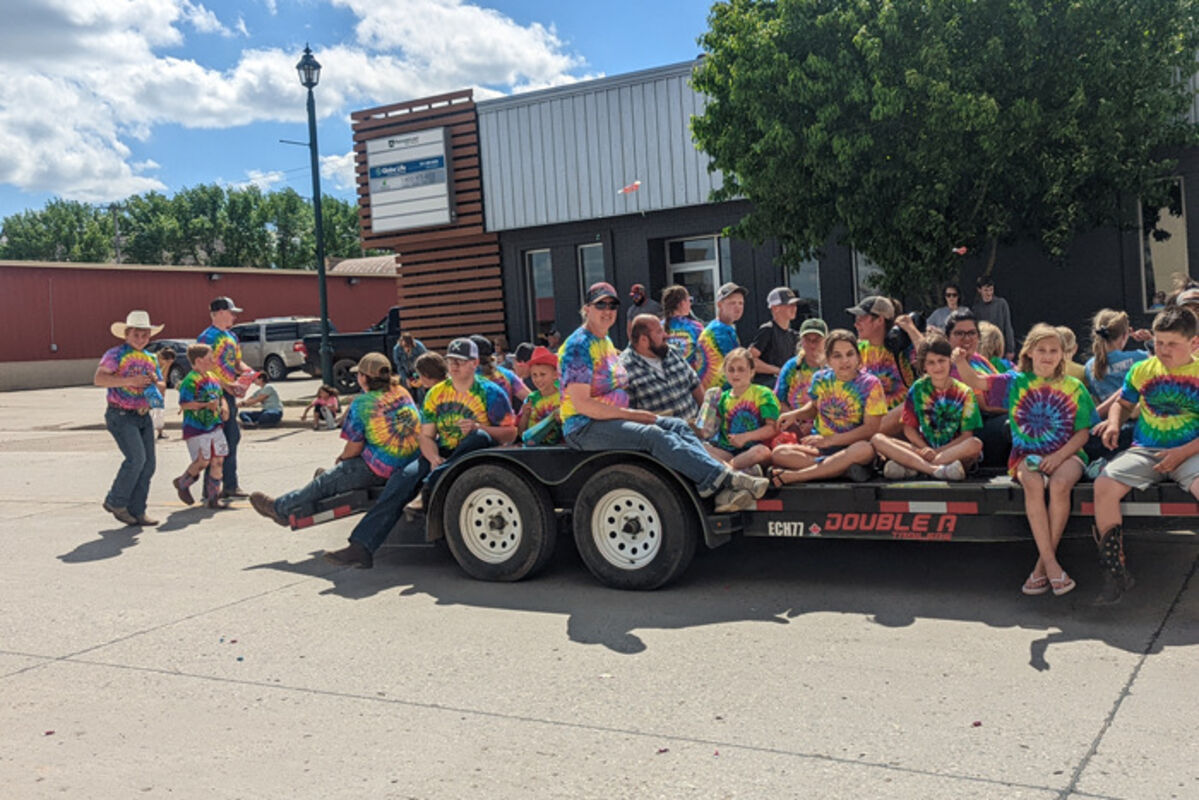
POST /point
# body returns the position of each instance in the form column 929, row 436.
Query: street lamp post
column 309, row 70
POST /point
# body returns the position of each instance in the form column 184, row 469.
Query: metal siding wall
column 561, row 156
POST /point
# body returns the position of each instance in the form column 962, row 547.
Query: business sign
column 409, row 179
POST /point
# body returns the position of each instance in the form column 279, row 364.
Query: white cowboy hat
column 136, row 319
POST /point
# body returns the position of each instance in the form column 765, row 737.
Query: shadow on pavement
column 111, row 544
column 893, row 584
column 186, row 517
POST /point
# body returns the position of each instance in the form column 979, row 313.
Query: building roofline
column 169, row 268
column 586, row 87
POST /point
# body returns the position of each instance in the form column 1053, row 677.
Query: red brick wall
column 73, row 306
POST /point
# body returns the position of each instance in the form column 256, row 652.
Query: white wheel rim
column 626, row 529
column 491, row 525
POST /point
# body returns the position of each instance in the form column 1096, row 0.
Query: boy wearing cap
column 461, row 414
column 228, row 368
column 380, row 430
column 895, row 371
column 720, row 336
column 796, row 375
column 490, row 370
column 539, row 422
column 775, row 342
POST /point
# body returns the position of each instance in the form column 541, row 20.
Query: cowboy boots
column 1116, row 578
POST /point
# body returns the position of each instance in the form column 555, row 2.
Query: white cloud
column 264, row 180
column 65, row 122
column 340, row 171
column 241, row 27
column 271, row 6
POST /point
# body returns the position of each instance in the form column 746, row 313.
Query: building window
column 805, row 280
column 591, row 267
column 866, row 276
column 539, row 272
column 1165, row 267
column 697, row 264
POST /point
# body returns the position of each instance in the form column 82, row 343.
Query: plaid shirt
column 669, row 395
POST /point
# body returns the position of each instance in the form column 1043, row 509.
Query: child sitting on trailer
column 940, row 417
column 848, row 405
column 1051, row 415
column 539, row 422
column 748, row 414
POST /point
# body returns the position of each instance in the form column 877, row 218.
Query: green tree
column 909, row 128
column 291, row 221
column 150, row 231
column 65, row 230
column 339, row 220
column 245, row 240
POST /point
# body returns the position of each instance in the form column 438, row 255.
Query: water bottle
column 1032, row 463
column 708, row 419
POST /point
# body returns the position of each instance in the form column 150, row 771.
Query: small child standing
column 157, row 397
column 940, row 416
column 203, row 412
column 539, row 422
column 748, row 413
column 324, row 407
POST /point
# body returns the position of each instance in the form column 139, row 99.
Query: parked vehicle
column 273, row 344
column 181, row 366
column 637, row 524
column 349, row 347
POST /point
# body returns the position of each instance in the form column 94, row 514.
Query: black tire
column 175, row 376
column 275, row 369
column 344, row 381
column 499, row 526
column 632, row 529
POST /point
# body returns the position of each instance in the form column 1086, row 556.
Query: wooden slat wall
column 449, row 277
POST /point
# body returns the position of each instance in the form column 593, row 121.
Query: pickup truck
column 637, row 524
column 349, row 347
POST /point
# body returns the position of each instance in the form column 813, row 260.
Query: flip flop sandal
column 1062, row 585
column 776, row 477
column 1036, row 584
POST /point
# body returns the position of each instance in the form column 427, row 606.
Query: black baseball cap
column 224, row 304
column 483, row 345
column 523, row 352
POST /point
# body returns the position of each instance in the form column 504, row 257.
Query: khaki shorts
column 1135, row 467
column 207, row 445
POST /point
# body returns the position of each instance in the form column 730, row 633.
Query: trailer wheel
column 632, row 530
column 498, row 526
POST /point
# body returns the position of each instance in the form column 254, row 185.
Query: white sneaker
column 953, row 471
column 755, row 486
column 730, row 500
column 894, row 471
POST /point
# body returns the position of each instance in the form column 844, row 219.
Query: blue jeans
column 345, row 477
column 402, row 486
column 670, row 440
column 134, row 434
column 266, row 418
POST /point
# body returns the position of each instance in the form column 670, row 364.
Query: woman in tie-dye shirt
column 127, row 371
column 848, row 406
column 596, row 416
column 682, row 329
column 1051, row 416
column 748, row 414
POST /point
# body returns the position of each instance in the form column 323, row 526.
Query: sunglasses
column 606, row 305
column 951, row 294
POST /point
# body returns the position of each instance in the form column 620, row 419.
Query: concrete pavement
column 217, row 656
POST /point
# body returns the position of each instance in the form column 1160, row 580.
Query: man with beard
column 659, row 379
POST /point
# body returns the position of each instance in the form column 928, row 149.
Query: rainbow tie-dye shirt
column 199, row 388
column 979, row 363
column 1043, row 412
column 125, row 361
column 895, row 374
column 756, row 406
column 941, row 415
column 841, row 405
column 227, row 352
column 1169, row 400
column 586, row 358
column 683, row 333
column 794, row 379
column 507, row 380
column 485, row 403
column 387, row 423
column 717, row 341
column 540, row 407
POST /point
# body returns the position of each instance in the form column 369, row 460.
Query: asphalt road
column 218, row 657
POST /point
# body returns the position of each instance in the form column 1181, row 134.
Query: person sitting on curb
column 459, row 415
column 381, row 437
column 271, row 413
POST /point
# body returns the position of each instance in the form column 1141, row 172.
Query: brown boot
column 1116, row 578
column 353, row 556
column 265, row 505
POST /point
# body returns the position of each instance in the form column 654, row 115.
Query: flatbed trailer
column 637, row 524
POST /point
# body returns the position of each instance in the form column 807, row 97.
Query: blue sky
column 101, row 99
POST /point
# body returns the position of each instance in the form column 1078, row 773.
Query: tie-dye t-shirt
column 683, row 333
column 754, row 408
column 794, row 379
column 1169, row 400
column 1043, row 412
column 541, row 407
column 842, row 406
column 895, row 375
column 125, row 360
column 444, row 406
column 717, row 341
column 198, row 388
column 941, row 415
column 387, row 423
column 979, row 363
column 507, row 380
column 227, row 351
column 586, row 358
